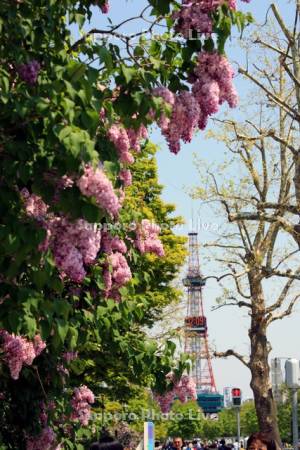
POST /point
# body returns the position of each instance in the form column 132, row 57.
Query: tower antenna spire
column 196, row 333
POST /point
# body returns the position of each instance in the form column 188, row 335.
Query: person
column 196, row 445
column 177, row 443
column 223, row 445
column 236, row 445
column 107, row 443
column 205, row 445
column 157, row 445
column 261, row 441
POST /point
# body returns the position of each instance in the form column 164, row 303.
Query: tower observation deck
column 196, row 334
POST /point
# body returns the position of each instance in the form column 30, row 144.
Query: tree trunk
column 259, row 366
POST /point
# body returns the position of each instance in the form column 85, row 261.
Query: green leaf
column 105, row 57
column 128, row 73
column 62, row 308
column 40, row 278
column 30, row 326
column 76, row 70
column 62, row 329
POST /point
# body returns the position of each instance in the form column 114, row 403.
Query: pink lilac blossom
column 29, row 72
column 18, row 351
column 116, row 272
column 86, row 237
column 193, row 17
column 183, row 122
column 183, row 390
column 111, row 244
column 147, row 240
column 119, row 137
column 212, row 85
column 121, row 272
column 63, row 371
column 94, row 183
column 44, row 441
column 126, row 177
column 74, row 244
column 70, row 356
column 38, row 344
column 102, row 114
column 82, row 398
column 127, row 140
column 136, row 136
column 105, row 7
column 34, row 205
column 169, row 99
column 186, row 389
column 196, row 15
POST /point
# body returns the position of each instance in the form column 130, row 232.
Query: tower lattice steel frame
column 196, row 330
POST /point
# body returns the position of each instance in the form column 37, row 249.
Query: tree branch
column 291, row 111
column 275, row 49
column 290, row 73
column 285, row 313
column 232, row 353
column 237, row 302
column 281, row 23
column 288, row 226
column 281, row 297
column 218, row 279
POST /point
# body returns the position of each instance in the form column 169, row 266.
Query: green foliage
column 187, row 420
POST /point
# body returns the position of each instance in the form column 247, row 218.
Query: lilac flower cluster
column 45, row 440
column 147, row 240
column 29, row 72
column 105, row 7
column 197, row 15
column 70, row 356
column 116, row 272
column 34, row 206
column 127, row 140
column 184, row 390
column 211, row 86
column 126, row 177
column 94, row 183
column 19, row 351
column 81, row 402
column 74, row 244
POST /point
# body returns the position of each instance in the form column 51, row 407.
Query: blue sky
column 227, row 327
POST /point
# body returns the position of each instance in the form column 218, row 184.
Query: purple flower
column 29, row 72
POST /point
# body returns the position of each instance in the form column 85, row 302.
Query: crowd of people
column 197, row 444
column 257, row 441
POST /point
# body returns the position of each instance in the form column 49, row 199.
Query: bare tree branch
column 291, row 111
column 281, row 297
column 232, row 353
column 271, row 47
column 281, row 23
column 285, row 313
column 236, row 302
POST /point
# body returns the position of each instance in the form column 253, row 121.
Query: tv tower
column 196, row 334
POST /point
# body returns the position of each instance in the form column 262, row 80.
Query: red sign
column 197, row 321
